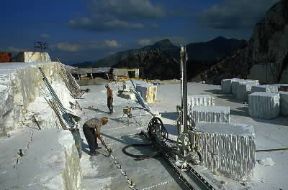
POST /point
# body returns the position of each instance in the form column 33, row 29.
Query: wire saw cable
column 272, row 149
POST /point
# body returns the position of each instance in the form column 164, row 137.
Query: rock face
column 21, row 85
column 47, row 156
column 265, row 58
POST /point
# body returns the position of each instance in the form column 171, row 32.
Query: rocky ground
column 99, row 172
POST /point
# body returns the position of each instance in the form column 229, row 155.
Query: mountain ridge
column 166, row 47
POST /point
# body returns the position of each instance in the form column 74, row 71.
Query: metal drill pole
column 182, row 71
column 183, row 57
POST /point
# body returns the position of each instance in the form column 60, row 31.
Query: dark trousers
column 90, row 136
column 110, row 104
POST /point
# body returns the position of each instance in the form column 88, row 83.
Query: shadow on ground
column 171, row 129
column 277, row 121
column 228, row 97
column 169, row 115
column 145, row 149
column 241, row 111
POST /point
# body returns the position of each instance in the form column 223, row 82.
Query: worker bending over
column 91, row 129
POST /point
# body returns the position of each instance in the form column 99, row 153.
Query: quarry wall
column 20, row 85
column 23, row 96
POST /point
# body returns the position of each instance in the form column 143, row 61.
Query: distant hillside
column 213, row 50
column 161, row 60
column 163, row 45
column 265, row 58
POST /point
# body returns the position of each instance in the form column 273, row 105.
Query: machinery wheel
column 156, row 129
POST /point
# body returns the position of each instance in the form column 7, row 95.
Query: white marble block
column 281, row 87
column 227, row 149
column 226, row 86
column 264, row 105
column 234, row 85
column 244, row 88
column 211, row 114
column 284, row 103
column 265, row 88
column 148, row 92
column 200, row 100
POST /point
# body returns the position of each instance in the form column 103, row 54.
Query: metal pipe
column 182, row 71
column 183, row 59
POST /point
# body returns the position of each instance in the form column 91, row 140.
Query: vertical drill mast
column 183, row 60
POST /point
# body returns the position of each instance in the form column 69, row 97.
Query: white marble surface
column 228, row 149
column 265, row 88
column 211, row 114
column 264, row 105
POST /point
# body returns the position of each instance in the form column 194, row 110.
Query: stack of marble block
column 201, row 109
column 240, row 88
column 226, row 149
column 264, row 101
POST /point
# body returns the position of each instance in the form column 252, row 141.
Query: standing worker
column 109, row 98
column 91, row 129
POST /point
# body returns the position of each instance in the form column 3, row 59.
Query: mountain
column 215, row 49
column 266, row 55
column 161, row 60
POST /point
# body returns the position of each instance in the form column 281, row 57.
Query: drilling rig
column 184, row 153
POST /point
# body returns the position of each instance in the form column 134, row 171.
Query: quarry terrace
column 235, row 138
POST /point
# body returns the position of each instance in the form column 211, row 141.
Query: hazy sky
column 80, row 30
